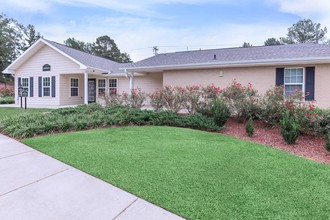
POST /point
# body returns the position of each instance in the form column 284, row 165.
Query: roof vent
column 215, row 57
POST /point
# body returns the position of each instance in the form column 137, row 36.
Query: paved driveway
column 36, row 186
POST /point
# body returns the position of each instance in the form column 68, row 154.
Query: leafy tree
column 272, row 41
column 104, row 46
column 15, row 38
column 305, row 31
column 79, row 45
column 245, row 44
column 30, row 36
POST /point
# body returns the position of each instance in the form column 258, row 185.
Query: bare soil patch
column 308, row 146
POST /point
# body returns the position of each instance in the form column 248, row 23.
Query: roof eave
column 250, row 63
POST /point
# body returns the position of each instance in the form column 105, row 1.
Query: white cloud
column 30, row 6
column 137, row 36
column 317, row 10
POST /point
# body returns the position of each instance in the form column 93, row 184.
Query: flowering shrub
column 272, row 105
column 113, row 99
column 6, row 92
column 210, row 93
column 157, row 100
column 173, row 98
column 241, row 100
column 192, row 96
column 137, row 98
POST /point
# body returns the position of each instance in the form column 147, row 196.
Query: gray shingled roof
column 236, row 55
column 89, row 59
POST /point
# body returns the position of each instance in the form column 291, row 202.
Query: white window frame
column 50, row 86
column 28, row 84
column 113, row 87
column 98, row 86
column 71, row 87
column 296, row 84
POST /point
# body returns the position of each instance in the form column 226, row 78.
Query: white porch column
column 131, row 82
column 85, row 87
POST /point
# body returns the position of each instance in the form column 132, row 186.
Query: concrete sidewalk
column 36, row 186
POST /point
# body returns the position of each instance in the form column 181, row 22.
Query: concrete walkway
column 36, row 186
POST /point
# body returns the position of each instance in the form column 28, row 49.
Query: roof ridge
column 233, row 48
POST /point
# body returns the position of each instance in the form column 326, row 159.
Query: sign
column 25, row 93
column 46, row 67
column 20, row 89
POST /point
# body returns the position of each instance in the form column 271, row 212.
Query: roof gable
column 84, row 60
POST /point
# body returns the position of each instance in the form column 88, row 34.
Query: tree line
column 304, row 31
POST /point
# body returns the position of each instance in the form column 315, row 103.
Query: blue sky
column 172, row 25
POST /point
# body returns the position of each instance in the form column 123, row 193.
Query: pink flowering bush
column 274, row 105
column 157, row 100
column 6, row 92
column 173, row 98
column 241, row 100
column 112, row 99
column 137, row 98
column 192, row 96
column 210, row 93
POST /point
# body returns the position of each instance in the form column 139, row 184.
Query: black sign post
column 20, row 90
column 24, row 94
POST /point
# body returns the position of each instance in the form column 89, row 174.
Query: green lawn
column 10, row 111
column 198, row 175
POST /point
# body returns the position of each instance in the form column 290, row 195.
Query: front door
column 91, row 90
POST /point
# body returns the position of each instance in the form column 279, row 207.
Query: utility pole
column 155, row 50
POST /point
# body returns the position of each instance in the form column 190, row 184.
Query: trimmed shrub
column 289, row 128
column 96, row 116
column 220, row 112
column 7, row 100
column 249, row 128
column 327, row 146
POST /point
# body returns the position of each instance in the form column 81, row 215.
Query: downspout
column 131, row 83
column 86, row 87
column 130, row 76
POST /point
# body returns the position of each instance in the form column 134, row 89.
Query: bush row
column 242, row 102
column 96, row 116
column 7, row 100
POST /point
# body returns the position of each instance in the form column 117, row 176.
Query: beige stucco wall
column 262, row 78
column 33, row 68
column 322, row 85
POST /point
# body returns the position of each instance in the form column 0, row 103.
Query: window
column 74, row 86
column 101, row 86
column 293, row 80
column 25, row 84
column 46, row 86
column 113, row 86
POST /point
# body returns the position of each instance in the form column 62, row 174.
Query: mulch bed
column 308, row 146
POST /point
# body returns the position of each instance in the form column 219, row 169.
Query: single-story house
column 57, row 75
